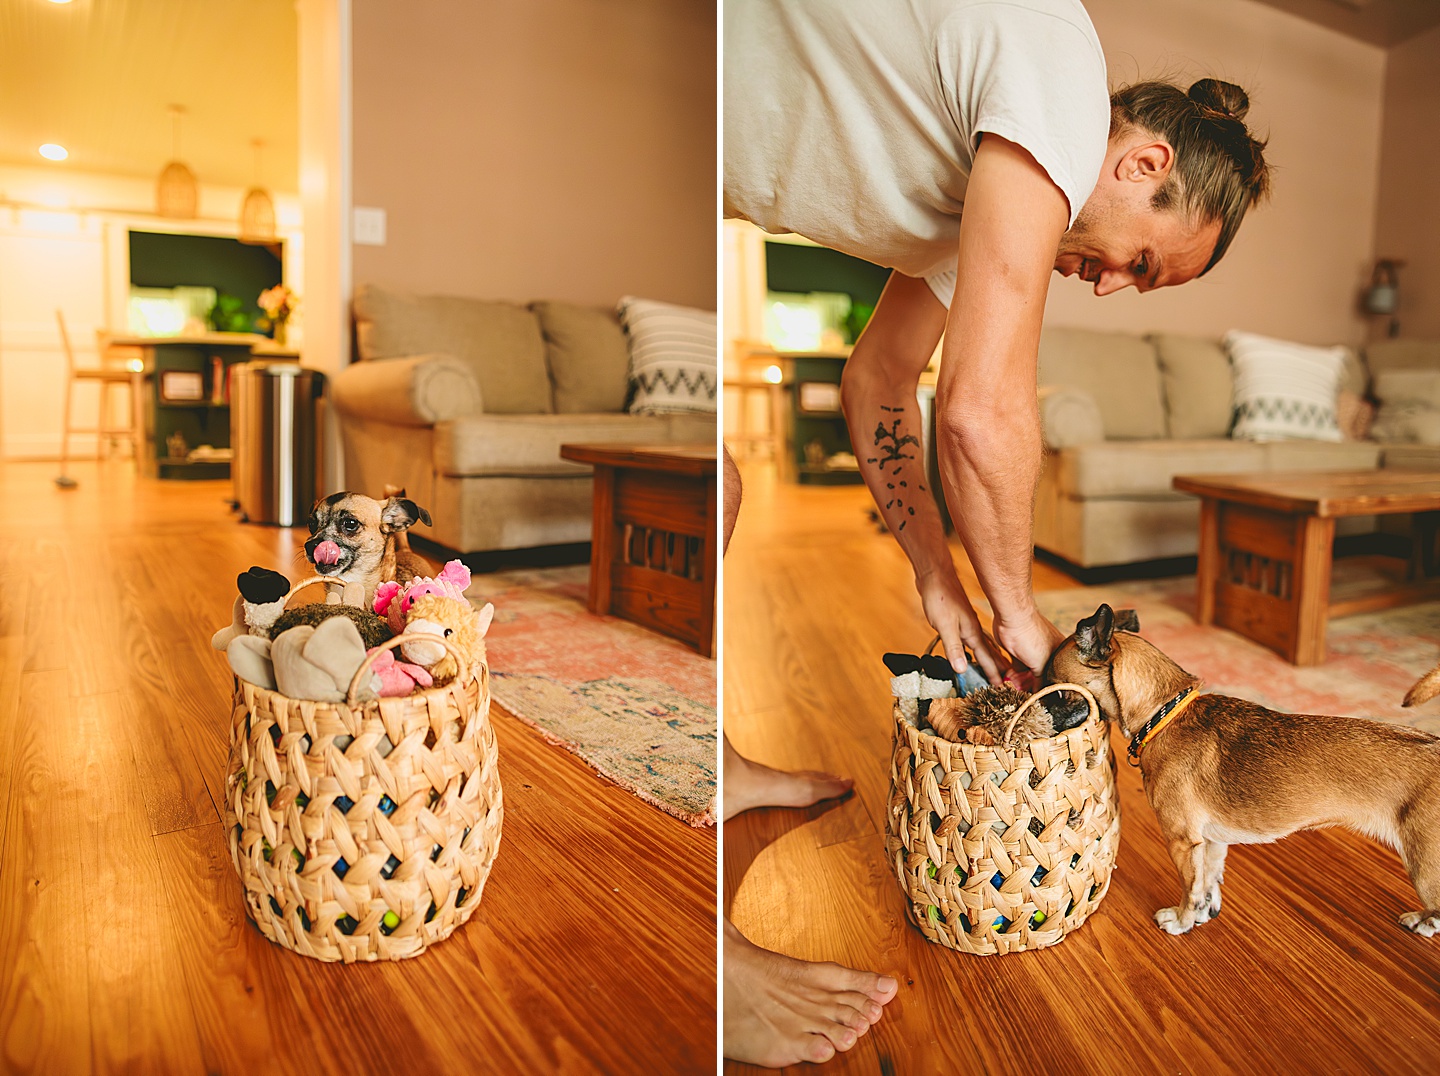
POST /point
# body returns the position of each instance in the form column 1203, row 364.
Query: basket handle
column 1035, row 698
column 400, row 640
column 298, row 587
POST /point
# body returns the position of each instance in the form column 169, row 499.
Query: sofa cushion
column 1119, row 369
column 1402, row 355
column 1199, row 385
column 1284, row 389
column 1409, row 406
column 530, row 444
column 1412, row 457
column 500, row 342
column 1321, row 455
column 691, row 428
column 588, row 357
column 417, row 391
column 1069, row 417
column 1121, row 469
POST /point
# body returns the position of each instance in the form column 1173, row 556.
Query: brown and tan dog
column 357, row 539
column 1220, row 771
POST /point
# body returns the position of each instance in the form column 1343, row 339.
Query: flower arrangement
column 278, row 303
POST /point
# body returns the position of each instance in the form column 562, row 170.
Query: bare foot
column 780, row 1011
column 749, row 784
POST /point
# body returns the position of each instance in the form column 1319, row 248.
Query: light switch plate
column 369, row 226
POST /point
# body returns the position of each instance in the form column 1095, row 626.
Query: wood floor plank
column 593, row 948
column 1305, row 970
column 45, row 1005
column 140, row 1010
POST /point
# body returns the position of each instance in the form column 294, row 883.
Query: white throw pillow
column 1284, row 390
column 672, row 356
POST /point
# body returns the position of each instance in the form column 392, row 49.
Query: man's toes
column 843, row 1037
column 851, row 1017
column 819, row 1049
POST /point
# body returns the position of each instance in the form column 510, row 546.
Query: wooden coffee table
column 1266, row 542
column 652, row 557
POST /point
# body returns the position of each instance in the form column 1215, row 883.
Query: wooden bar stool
column 108, row 375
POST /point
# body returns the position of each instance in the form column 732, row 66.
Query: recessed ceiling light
column 50, row 151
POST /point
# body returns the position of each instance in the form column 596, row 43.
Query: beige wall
column 550, row 148
column 1297, row 265
column 1408, row 221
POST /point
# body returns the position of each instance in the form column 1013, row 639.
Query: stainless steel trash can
column 273, row 433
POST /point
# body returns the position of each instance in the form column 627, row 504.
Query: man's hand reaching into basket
column 950, row 613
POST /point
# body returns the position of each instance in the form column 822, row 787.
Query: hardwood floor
column 1306, row 971
column 123, row 940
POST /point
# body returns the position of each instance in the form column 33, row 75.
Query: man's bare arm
column 878, row 394
column 988, row 420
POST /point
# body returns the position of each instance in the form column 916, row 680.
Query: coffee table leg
column 1207, row 568
column 1314, row 542
column 603, row 540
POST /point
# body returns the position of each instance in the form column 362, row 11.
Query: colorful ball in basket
column 1000, row 850
column 364, row 831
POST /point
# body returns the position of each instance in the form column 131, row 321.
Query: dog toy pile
column 964, row 706
column 314, row 651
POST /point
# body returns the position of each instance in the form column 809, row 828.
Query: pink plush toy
column 393, row 601
column 398, row 677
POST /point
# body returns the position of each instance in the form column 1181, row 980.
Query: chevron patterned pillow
column 672, row 356
column 1284, row 390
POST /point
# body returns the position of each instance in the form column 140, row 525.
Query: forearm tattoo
column 890, row 452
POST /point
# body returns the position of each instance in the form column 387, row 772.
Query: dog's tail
column 402, row 538
column 1425, row 689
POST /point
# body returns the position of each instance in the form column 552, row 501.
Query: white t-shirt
column 855, row 122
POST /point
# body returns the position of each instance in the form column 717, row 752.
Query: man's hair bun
column 1225, row 98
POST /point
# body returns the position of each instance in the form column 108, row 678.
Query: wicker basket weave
column 971, row 829
column 341, row 813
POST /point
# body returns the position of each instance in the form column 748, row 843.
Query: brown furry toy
column 456, row 620
column 373, row 628
column 984, row 717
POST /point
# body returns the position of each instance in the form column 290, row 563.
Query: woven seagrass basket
column 364, row 831
column 1000, row 850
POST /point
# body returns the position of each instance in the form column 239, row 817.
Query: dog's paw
column 1209, row 908
column 1426, row 924
column 1173, row 920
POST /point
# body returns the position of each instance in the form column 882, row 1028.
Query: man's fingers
column 988, row 661
column 954, row 644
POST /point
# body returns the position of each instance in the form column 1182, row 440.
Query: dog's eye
column 350, row 526
column 313, row 524
column 449, row 632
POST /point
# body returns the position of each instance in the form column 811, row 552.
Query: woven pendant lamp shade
column 257, row 212
column 257, row 217
column 177, row 194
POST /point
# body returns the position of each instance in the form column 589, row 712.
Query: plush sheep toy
column 258, row 605
column 453, row 619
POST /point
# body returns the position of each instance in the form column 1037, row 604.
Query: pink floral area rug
column 637, row 706
column 1373, row 659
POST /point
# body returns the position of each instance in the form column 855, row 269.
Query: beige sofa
column 466, row 403
column 1124, row 414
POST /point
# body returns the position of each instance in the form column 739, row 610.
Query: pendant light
column 177, row 194
column 257, row 212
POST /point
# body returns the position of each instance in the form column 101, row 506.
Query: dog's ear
column 1127, row 620
column 401, row 513
column 1093, row 634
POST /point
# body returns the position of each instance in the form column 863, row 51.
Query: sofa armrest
column 1069, row 416
column 420, row 390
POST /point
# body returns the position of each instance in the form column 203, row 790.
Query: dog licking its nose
column 327, row 553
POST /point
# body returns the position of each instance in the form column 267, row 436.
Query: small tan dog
column 357, row 539
column 1220, row 771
